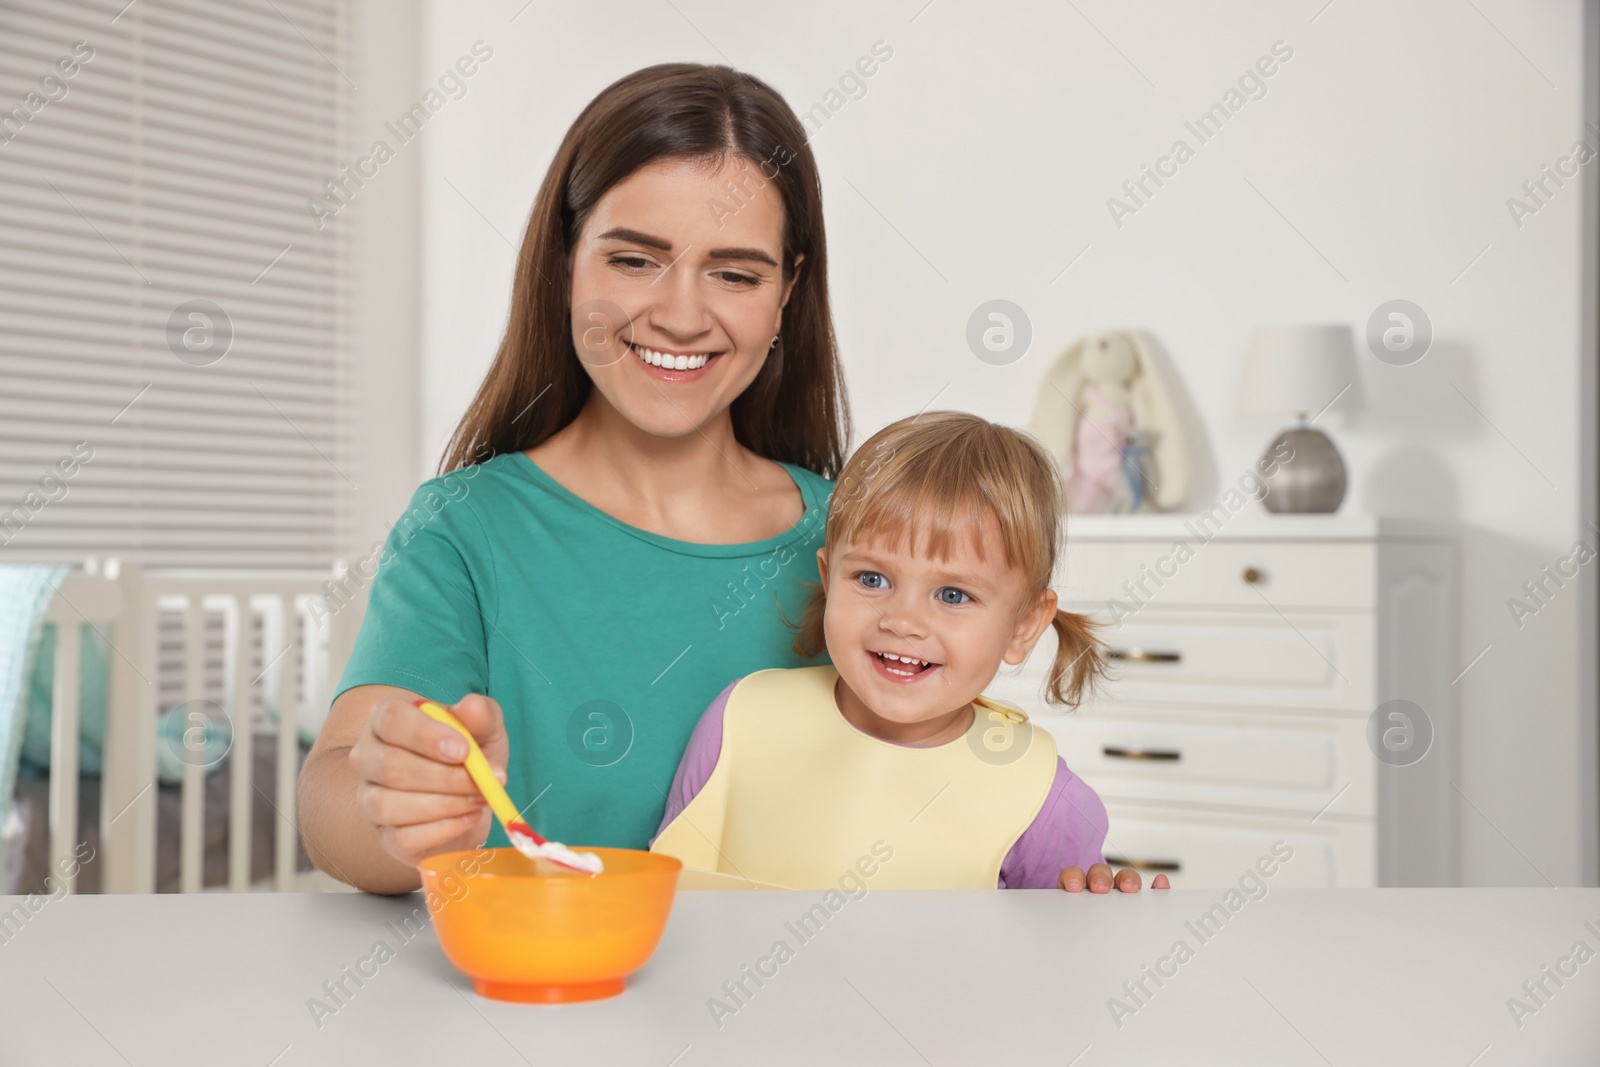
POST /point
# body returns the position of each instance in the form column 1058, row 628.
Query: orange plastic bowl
column 548, row 938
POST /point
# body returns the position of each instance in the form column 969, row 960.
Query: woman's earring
column 774, row 344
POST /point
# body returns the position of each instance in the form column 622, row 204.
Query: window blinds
column 172, row 318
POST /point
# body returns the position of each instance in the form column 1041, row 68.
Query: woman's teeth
column 667, row 361
column 909, row 665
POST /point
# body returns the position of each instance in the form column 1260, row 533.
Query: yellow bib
column 799, row 796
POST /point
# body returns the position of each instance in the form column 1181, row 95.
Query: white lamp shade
column 1300, row 370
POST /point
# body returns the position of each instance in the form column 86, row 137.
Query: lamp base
column 1312, row 480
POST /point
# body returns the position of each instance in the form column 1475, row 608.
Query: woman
column 612, row 541
column 631, row 507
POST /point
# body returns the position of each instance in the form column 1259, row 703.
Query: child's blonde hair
column 945, row 475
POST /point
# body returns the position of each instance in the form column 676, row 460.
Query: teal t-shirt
column 602, row 642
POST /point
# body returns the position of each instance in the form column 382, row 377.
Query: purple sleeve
column 699, row 759
column 1069, row 831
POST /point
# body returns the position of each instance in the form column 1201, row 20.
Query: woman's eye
column 950, row 595
column 872, row 580
column 738, row 280
column 631, row 262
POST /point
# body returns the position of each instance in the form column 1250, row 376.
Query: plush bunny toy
column 1105, row 413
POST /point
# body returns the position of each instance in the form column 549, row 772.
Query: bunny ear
column 1153, row 409
column 1055, row 410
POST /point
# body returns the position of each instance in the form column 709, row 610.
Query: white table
column 1297, row 977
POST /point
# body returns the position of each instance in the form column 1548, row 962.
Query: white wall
column 385, row 243
column 1377, row 166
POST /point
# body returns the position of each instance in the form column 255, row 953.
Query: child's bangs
column 927, row 519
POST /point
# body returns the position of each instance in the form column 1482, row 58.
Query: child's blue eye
column 952, row 595
column 872, row 580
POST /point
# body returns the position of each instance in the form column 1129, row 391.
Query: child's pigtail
column 808, row 639
column 1080, row 660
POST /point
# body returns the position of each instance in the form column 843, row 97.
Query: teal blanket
column 25, row 595
column 93, row 664
column 93, row 669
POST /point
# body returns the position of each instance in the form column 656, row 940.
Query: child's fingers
column 1099, row 878
column 1096, row 880
column 1128, row 880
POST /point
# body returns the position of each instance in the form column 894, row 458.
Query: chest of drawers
column 1250, row 656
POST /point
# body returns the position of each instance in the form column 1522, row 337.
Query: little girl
column 891, row 764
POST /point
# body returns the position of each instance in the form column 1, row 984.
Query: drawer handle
column 1164, row 866
column 1144, row 655
column 1142, row 753
column 1254, row 576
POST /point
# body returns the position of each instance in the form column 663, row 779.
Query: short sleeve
column 699, row 759
column 1069, row 831
column 429, row 609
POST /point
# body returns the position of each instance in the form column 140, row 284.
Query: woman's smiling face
column 678, row 291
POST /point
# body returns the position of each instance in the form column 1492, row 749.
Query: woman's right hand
column 411, row 783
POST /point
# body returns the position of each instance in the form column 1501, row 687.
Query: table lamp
column 1301, row 371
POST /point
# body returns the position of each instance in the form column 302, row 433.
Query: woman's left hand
column 1099, row 880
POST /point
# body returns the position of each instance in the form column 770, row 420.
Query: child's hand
column 1099, row 880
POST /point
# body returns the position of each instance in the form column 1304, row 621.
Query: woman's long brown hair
column 794, row 411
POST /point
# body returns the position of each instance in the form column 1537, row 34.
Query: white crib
column 301, row 649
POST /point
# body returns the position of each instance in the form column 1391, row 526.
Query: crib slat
column 128, row 793
column 64, row 756
column 287, row 839
column 241, row 762
column 192, row 745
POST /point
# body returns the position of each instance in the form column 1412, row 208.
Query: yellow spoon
column 523, row 836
